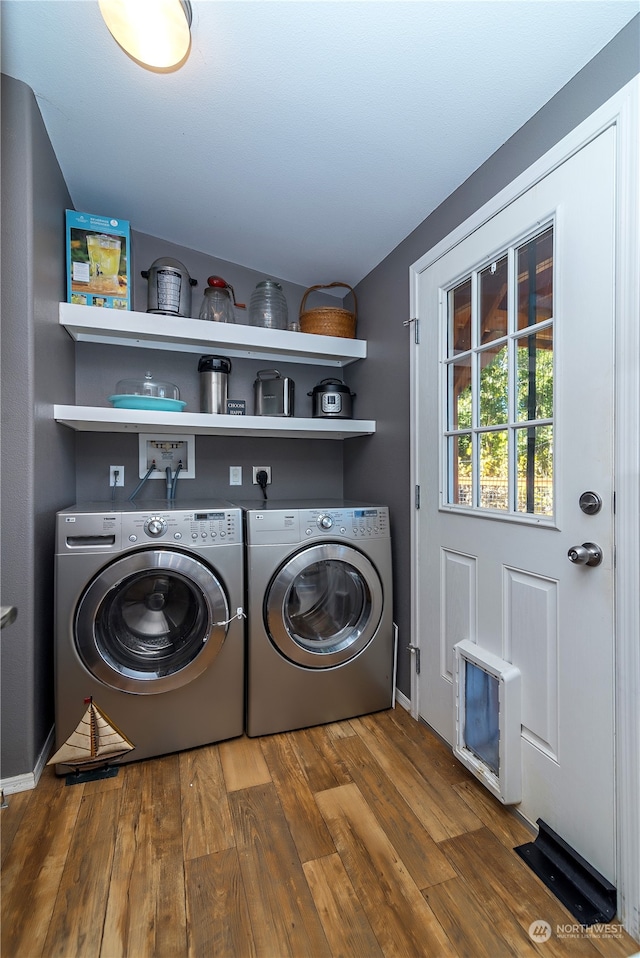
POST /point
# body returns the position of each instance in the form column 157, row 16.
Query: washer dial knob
column 155, row 527
column 325, row 522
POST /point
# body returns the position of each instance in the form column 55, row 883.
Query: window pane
column 535, row 376
column 500, row 383
column 460, row 471
column 535, row 470
column 494, row 382
column 535, row 280
column 459, row 392
column 494, row 470
column 459, row 336
column 493, row 301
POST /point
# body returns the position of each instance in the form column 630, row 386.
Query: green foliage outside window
column 494, row 411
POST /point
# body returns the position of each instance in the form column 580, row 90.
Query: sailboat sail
column 95, row 740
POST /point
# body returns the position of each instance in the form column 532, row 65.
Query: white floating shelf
column 106, row 419
column 92, row 324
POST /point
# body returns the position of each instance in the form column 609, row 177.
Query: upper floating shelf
column 106, row 419
column 92, row 324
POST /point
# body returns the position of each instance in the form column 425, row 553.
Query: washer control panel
column 193, row 528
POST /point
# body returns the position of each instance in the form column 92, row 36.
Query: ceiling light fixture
column 155, row 33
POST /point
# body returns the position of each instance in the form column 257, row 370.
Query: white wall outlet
column 257, row 469
column 235, row 475
column 116, row 476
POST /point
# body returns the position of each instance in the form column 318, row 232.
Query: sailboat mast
column 94, row 729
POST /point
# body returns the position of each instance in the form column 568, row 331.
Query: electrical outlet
column 116, row 480
column 257, row 469
column 235, row 475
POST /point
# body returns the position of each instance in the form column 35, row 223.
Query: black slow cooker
column 331, row 399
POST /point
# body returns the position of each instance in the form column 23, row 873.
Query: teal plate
column 147, row 402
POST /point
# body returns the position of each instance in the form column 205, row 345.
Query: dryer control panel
column 275, row 526
column 366, row 523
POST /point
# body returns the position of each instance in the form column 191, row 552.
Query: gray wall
column 39, row 458
column 379, row 468
column 38, row 470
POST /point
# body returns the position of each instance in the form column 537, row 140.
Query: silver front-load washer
column 149, row 622
column 320, row 630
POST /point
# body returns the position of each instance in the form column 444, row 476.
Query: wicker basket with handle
column 329, row 320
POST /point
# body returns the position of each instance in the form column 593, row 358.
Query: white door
column 514, row 423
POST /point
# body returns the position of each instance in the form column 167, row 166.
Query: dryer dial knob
column 325, row 522
column 155, row 527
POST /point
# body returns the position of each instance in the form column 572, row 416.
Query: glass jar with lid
column 268, row 306
column 219, row 300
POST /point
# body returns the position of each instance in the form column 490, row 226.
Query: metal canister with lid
column 169, row 292
column 273, row 394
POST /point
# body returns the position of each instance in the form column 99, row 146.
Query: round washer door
column 150, row 621
column 324, row 605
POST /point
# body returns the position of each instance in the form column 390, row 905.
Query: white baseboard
column 401, row 699
column 22, row 783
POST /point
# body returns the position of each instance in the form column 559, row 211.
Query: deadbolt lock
column 590, row 503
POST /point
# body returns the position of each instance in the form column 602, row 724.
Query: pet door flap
column 487, row 720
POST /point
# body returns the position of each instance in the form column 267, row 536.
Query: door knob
column 587, row 554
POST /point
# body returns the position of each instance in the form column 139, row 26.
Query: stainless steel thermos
column 214, row 376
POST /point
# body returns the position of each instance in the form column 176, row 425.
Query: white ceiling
column 302, row 139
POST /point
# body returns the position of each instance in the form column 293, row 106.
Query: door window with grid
column 498, row 377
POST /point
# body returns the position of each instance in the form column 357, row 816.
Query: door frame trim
column 622, row 112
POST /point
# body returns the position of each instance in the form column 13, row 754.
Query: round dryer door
column 324, row 605
column 151, row 621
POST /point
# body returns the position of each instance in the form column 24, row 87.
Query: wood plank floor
column 360, row 839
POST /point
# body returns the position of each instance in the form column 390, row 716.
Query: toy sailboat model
column 94, row 741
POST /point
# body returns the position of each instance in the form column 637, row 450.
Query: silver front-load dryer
column 149, row 622
column 320, row 630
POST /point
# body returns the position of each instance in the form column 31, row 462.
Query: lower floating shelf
column 106, row 419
